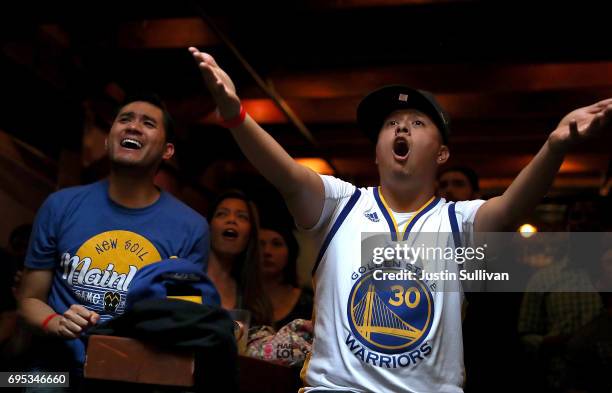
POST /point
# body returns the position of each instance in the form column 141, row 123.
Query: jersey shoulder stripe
column 330, row 235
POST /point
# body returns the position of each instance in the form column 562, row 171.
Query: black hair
column 587, row 212
column 467, row 171
column 290, row 271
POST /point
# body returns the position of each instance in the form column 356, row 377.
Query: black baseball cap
column 377, row 105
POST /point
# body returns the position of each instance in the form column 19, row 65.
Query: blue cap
column 172, row 278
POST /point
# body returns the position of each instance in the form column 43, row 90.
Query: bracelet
column 234, row 121
column 48, row 319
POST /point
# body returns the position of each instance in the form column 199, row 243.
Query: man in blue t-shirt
column 88, row 242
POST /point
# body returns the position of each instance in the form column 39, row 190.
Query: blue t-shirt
column 96, row 246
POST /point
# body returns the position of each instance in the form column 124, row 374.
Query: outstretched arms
column 301, row 188
column 536, row 178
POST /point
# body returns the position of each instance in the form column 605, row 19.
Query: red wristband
column 234, row 121
column 48, row 319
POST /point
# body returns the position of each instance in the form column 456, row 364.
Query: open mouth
column 131, row 144
column 401, row 148
column 230, row 234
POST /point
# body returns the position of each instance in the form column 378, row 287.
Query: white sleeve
column 337, row 193
column 466, row 213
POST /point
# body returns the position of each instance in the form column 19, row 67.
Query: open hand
column 219, row 84
column 582, row 123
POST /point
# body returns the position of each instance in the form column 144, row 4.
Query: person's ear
column 443, row 155
column 168, row 151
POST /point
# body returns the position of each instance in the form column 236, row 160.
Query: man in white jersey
column 393, row 335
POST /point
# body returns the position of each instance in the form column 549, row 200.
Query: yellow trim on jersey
column 400, row 236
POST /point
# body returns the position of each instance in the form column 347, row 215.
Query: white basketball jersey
column 383, row 336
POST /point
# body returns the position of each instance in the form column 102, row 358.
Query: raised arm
column 301, row 188
column 535, row 179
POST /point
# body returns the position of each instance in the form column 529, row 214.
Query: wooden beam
column 445, row 79
column 166, row 33
column 461, row 106
column 44, row 55
column 21, row 175
column 341, row 4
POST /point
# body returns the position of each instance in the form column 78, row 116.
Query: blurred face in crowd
column 583, row 216
column 230, row 228
column 137, row 138
column 409, row 144
column 455, row 186
column 274, row 251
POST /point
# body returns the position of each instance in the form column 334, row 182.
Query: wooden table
column 128, row 360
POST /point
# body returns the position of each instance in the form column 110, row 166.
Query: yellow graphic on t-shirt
column 109, row 260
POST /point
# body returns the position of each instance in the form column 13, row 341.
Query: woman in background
column 279, row 270
column 234, row 260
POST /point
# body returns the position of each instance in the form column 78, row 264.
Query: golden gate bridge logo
column 390, row 316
